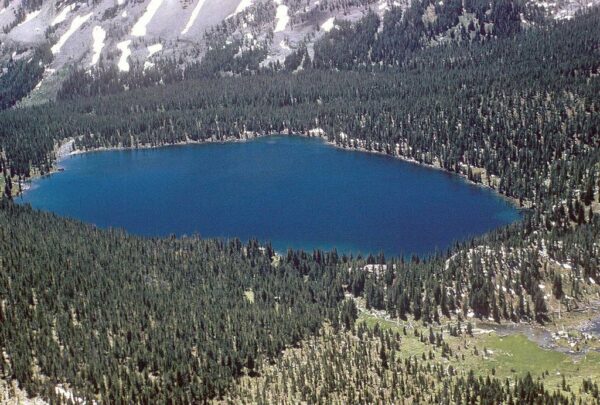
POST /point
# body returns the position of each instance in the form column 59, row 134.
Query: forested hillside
column 118, row 318
column 380, row 39
column 389, row 374
column 523, row 109
column 21, row 76
column 151, row 320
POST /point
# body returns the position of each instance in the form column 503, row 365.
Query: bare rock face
column 124, row 33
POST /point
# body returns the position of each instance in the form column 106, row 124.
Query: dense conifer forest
column 468, row 109
column 122, row 319
column 118, row 318
column 154, row 319
column 21, row 76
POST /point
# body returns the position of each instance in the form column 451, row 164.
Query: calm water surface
column 293, row 191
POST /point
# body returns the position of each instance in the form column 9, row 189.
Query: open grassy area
column 504, row 356
column 516, row 355
column 378, row 364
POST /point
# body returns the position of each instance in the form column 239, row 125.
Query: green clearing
column 411, row 346
column 505, row 356
column 517, row 355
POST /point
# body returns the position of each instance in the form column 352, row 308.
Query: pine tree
column 557, row 290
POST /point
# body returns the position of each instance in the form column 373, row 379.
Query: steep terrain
column 509, row 100
column 126, row 33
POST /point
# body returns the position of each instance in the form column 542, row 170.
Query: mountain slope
column 126, row 33
column 114, row 318
column 123, row 33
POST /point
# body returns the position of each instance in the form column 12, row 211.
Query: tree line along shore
column 117, row 318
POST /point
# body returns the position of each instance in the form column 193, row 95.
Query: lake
column 295, row 192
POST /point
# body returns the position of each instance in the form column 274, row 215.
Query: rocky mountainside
column 509, row 100
column 127, row 33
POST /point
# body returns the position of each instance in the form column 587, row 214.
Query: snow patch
column 29, row 17
column 139, row 29
column 99, row 35
column 193, row 17
column 282, row 17
column 244, row 4
column 75, row 25
column 62, row 16
column 283, row 44
column 328, row 25
column 37, row 86
column 125, row 53
column 152, row 49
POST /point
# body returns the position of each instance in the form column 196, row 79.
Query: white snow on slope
column 29, row 17
column 75, row 25
column 37, row 86
column 328, row 25
column 125, row 53
column 62, row 16
column 99, row 35
column 193, row 17
column 152, row 49
column 139, row 29
column 282, row 17
column 244, row 4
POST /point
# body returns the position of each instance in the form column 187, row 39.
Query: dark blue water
column 295, row 192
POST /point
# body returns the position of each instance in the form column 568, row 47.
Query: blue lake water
column 295, row 192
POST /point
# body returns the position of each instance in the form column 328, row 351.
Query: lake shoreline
column 66, row 149
column 513, row 201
